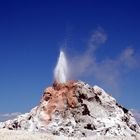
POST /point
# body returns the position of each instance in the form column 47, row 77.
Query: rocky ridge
column 76, row 109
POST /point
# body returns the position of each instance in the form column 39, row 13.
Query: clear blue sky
column 32, row 32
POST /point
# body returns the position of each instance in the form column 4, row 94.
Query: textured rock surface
column 77, row 109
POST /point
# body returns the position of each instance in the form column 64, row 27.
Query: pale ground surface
column 24, row 135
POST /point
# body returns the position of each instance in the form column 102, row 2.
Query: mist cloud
column 107, row 71
column 98, row 37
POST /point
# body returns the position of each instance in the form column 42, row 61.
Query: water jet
column 61, row 69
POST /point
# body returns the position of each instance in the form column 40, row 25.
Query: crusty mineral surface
column 58, row 97
column 76, row 109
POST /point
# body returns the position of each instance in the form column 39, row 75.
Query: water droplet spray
column 61, row 69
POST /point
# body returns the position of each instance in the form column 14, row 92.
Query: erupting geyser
column 61, row 69
column 75, row 109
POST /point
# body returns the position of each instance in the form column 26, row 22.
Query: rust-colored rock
column 59, row 96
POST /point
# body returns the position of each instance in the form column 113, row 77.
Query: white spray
column 61, row 69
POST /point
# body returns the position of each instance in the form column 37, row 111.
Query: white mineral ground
column 24, row 135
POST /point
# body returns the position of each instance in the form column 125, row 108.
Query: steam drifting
column 61, row 69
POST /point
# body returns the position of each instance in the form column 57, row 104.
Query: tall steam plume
column 61, row 69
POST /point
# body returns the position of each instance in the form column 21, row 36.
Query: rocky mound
column 76, row 109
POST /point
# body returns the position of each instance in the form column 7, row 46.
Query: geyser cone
column 61, row 69
column 75, row 109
